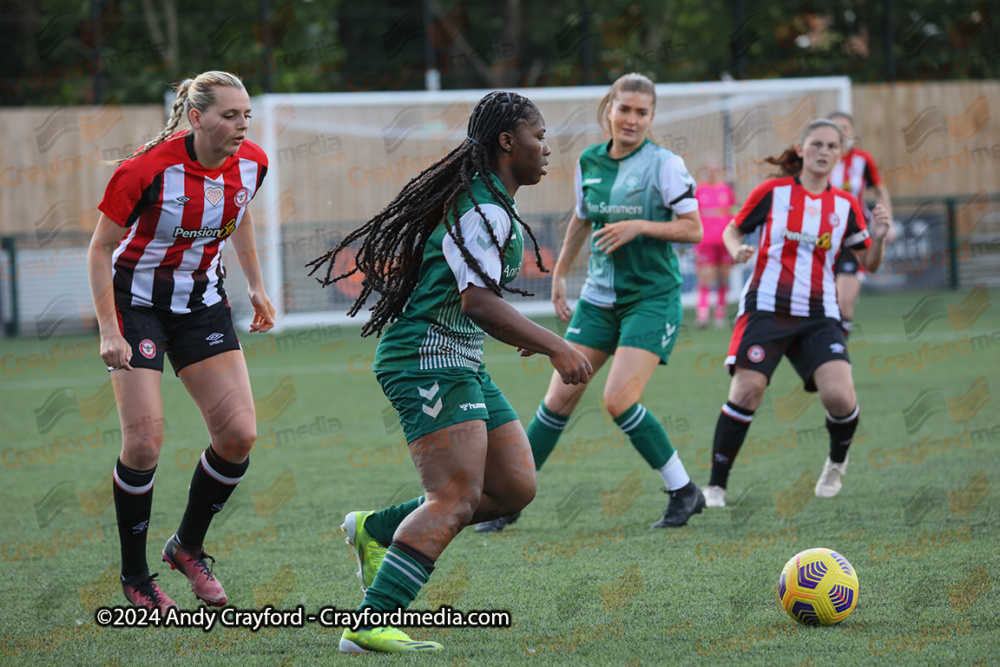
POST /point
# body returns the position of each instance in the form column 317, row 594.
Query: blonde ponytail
column 197, row 93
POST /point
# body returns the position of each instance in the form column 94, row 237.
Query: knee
column 562, row 402
column 615, row 409
column 747, row 394
column 457, row 509
column 839, row 398
column 140, row 458
column 841, row 403
column 235, row 445
column 750, row 400
column 523, row 494
column 141, row 452
column 518, row 493
column 618, row 401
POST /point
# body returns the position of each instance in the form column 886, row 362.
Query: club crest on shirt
column 241, row 197
column 833, row 219
column 213, row 195
column 755, row 353
column 147, row 348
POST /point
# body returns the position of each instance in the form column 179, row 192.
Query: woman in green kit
column 633, row 199
column 440, row 255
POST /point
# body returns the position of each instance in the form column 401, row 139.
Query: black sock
column 133, row 492
column 213, row 482
column 416, row 555
column 846, row 325
column 841, row 434
column 730, row 432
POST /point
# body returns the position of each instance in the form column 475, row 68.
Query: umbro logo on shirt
column 214, row 339
column 591, row 181
column 183, row 200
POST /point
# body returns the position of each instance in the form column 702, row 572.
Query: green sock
column 382, row 525
column 398, row 581
column 647, row 435
column 543, row 433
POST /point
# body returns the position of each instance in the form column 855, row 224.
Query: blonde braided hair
column 197, row 93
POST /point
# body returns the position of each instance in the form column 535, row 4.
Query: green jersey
column 651, row 183
column 432, row 332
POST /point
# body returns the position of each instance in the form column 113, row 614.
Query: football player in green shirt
column 440, row 255
column 634, row 198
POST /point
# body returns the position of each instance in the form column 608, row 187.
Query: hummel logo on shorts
column 428, row 395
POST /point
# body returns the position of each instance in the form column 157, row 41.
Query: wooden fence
column 929, row 139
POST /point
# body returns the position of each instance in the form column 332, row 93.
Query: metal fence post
column 9, row 244
column 951, row 206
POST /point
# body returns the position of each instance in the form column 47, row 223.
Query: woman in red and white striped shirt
column 855, row 172
column 156, row 277
column 789, row 304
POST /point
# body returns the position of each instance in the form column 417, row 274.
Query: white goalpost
column 337, row 158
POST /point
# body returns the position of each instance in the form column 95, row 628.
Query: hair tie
column 473, row 141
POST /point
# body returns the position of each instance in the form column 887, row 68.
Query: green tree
column 81, row 52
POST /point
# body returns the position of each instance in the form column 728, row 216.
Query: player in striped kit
column 634, row 198
column 156, row 277
column 855, row 172
column 789, row 304
column 440, row 255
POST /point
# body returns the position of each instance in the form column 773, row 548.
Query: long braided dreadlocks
column 393, row 241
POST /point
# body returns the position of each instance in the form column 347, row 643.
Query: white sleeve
column 677, row 187
column 581, row 205
column 478, row 242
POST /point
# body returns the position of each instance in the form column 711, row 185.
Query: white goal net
column 336, row 159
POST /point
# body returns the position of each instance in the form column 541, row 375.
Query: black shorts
column 186, row 338
column 847, row 262
column 761, row 338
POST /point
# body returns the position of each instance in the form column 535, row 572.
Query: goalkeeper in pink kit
column 712, row 261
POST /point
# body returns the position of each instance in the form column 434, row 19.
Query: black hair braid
column 456, row 231
column 392, row 242
column 499, row 111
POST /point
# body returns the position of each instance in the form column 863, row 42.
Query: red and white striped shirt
column 179, row 215
column 800, row 241
column 855, row 171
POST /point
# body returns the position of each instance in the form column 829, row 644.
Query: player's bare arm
column 732, row 237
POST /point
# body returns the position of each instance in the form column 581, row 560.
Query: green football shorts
column 652, row 325
column 431, row 400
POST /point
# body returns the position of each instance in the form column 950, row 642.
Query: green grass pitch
column 585, row 580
